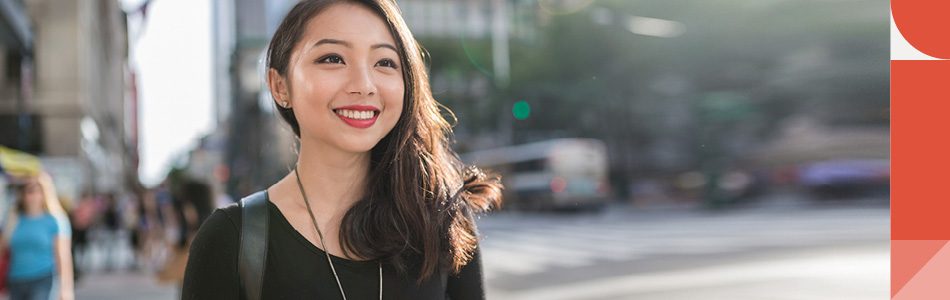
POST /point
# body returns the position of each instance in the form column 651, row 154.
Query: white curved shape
column 901, row 49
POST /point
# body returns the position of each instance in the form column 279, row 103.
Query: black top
column 296, row 269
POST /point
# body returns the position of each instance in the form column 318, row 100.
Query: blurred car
column 842, row 178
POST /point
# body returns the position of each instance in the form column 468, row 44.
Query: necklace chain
column 327, row 251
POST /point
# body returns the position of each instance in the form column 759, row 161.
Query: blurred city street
column 109, row 273
column 124, row 285
column 732, row 149
column 791, row 248
column 795, row 249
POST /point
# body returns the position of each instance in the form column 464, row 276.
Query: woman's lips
column 359, row 116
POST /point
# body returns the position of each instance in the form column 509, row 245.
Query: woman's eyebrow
column 331, row 41
column 384, row 45
column 347, row 44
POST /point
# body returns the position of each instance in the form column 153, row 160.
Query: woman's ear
column 278, row 88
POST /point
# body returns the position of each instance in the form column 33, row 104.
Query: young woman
column 378, row 205
column 37, row 234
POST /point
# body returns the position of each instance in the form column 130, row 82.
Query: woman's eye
column 389, row 63
column 331, row 59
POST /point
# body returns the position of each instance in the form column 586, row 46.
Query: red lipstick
column 350, row 115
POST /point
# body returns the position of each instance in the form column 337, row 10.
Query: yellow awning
column 19, row 164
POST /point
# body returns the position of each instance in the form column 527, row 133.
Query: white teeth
column 356, row 115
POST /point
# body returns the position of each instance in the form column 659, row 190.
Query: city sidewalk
column 124, row 285
column 111, row 272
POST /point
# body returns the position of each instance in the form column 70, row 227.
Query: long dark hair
column 420, row 199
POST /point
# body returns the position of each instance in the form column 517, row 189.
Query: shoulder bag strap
column 253, row 251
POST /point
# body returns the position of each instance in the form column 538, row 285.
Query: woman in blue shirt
column 38, row 237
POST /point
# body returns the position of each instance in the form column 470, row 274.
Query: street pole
column 500, row 63
column 24, row 103
column 499, row 36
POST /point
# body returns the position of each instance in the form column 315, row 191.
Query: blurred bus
column 554, row 174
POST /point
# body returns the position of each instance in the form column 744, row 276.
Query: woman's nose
column 361, row 82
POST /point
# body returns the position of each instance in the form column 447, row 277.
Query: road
column 838, row 251
column 796, row 250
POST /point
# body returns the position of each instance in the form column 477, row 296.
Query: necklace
column 325, row 250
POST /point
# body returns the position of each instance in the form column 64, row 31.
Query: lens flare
column 468, row 54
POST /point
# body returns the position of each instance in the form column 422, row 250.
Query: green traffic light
column 521, row 110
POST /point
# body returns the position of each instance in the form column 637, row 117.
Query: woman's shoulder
column 48, row 218
column 211, row 270
column 218, row 235
column 52, row 219
column 228, row 216
column 231, row 210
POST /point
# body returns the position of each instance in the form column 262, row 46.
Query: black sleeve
column 211, row 272
column 467, row 284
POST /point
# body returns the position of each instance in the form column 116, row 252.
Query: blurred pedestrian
column 37, row 234
column 377, row 205
column 111, row 234
column 166, row 213
column 150, row 230
column 198, row 202
column 133, row 223
column 81, row 217
column 194, row 203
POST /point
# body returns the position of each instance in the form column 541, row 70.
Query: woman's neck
column 36, row 212
column 332, row 179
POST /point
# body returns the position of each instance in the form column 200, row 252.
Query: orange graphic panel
column 920, row 150
column 924, row 24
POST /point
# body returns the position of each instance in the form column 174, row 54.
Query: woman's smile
column 359, row 116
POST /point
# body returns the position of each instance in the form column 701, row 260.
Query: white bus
column 554, row 174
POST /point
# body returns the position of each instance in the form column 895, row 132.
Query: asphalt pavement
column 790, row 248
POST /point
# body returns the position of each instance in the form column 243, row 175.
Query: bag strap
column 253, row 251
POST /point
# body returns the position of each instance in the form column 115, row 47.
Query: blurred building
column 19, row 126
column 475, row 20
column 207, row 162
column 66, row 92
column 252, row 148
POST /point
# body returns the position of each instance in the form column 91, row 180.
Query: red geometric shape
column 920, row 102
column 924, row 24
column 931, row 281
column 908, row 257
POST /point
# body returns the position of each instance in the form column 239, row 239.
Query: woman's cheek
column 395, row 90
column 310, row 84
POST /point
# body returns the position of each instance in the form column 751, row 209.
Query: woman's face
column 32, row 197
column 345, row 79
